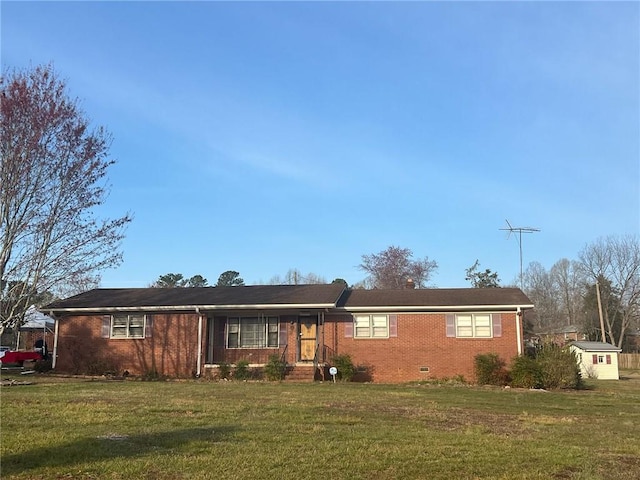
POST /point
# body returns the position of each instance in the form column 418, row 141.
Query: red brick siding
column 29, row 338
column 170, row 350
column 421, row 342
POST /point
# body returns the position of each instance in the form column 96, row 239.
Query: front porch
column 254, row 338
column 301, row 372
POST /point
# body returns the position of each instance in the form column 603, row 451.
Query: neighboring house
column 36, row 331
column 562, row 335
column 34, row 328
column 392, row 335
column 597, row 359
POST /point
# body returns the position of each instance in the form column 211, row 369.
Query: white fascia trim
column 446, row 308
column 193, row 308
column 594, row 350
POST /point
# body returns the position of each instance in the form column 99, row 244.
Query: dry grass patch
column 234, row 430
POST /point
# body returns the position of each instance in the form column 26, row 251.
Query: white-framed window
column 602, row 359
column 252, row 332
column 371, row 326
column 128, row 326
column 473, row 325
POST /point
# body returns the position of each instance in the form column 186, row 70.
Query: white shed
column 597, row 359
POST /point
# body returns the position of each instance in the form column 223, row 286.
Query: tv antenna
column 519, row 231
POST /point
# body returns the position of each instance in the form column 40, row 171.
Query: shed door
column 307, row 338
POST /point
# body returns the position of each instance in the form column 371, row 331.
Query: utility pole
column 600, row 311
column 520, row 231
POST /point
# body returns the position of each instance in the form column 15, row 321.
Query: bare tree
column 616, row 259
column 296, row 277
column 569, row 281
column 52, row 177
column 539, row 287
column 392, row 267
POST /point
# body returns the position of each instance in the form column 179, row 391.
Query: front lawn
column 236, row 430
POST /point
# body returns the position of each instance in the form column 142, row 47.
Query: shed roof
column 596, row 346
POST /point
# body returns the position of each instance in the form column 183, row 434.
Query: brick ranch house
column 393, row 335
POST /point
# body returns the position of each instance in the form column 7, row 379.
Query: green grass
column 199, row 429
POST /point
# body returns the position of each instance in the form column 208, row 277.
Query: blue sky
column 260, row 137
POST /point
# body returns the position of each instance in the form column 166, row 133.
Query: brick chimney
column 410, row 284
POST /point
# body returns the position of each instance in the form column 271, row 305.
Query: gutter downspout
column 199, row 363
column 55, row 341
column 519, row 315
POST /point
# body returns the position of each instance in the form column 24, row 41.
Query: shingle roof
column 257, row 295
column 436, row 297
column 596, row 346
column 301, row 296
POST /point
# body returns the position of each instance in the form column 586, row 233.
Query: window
column 252, row 332
column 473, row 325
column 128, row 326
column 371, row 326
column 602, row 359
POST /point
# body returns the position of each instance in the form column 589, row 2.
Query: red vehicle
column 18, row 357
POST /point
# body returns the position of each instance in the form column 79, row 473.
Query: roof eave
column 439, row 308
column 192, row 308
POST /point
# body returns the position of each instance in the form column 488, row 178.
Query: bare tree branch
column 52, row 176
column 392, row 267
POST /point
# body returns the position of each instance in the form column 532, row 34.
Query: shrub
column 100, row 366
column 43, row 365
column 525, row 372
column 559, row 367
column 363, row 373
column 490, row 369
column 152, row 375
column 224, row 370
column 345, row 366
column 274, row 369
column 241, row 371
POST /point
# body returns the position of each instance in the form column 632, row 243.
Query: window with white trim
column 473, row 325
column 128, row 326
column 371, row 326
column 252, row 332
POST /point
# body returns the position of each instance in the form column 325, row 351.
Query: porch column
column 55, row 342
column 518, row 332
column 199, row 360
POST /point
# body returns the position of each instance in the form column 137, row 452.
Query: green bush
column 490, row 369
column 224, row 371
column 274, row 369
column 345, row 366
column 559, row 367
column 241, row 371
column 525, row 372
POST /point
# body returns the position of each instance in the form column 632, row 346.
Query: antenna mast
column 520, row 231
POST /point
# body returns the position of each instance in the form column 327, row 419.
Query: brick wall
column 421, row 344
column 420, row 351
column 170, row 350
